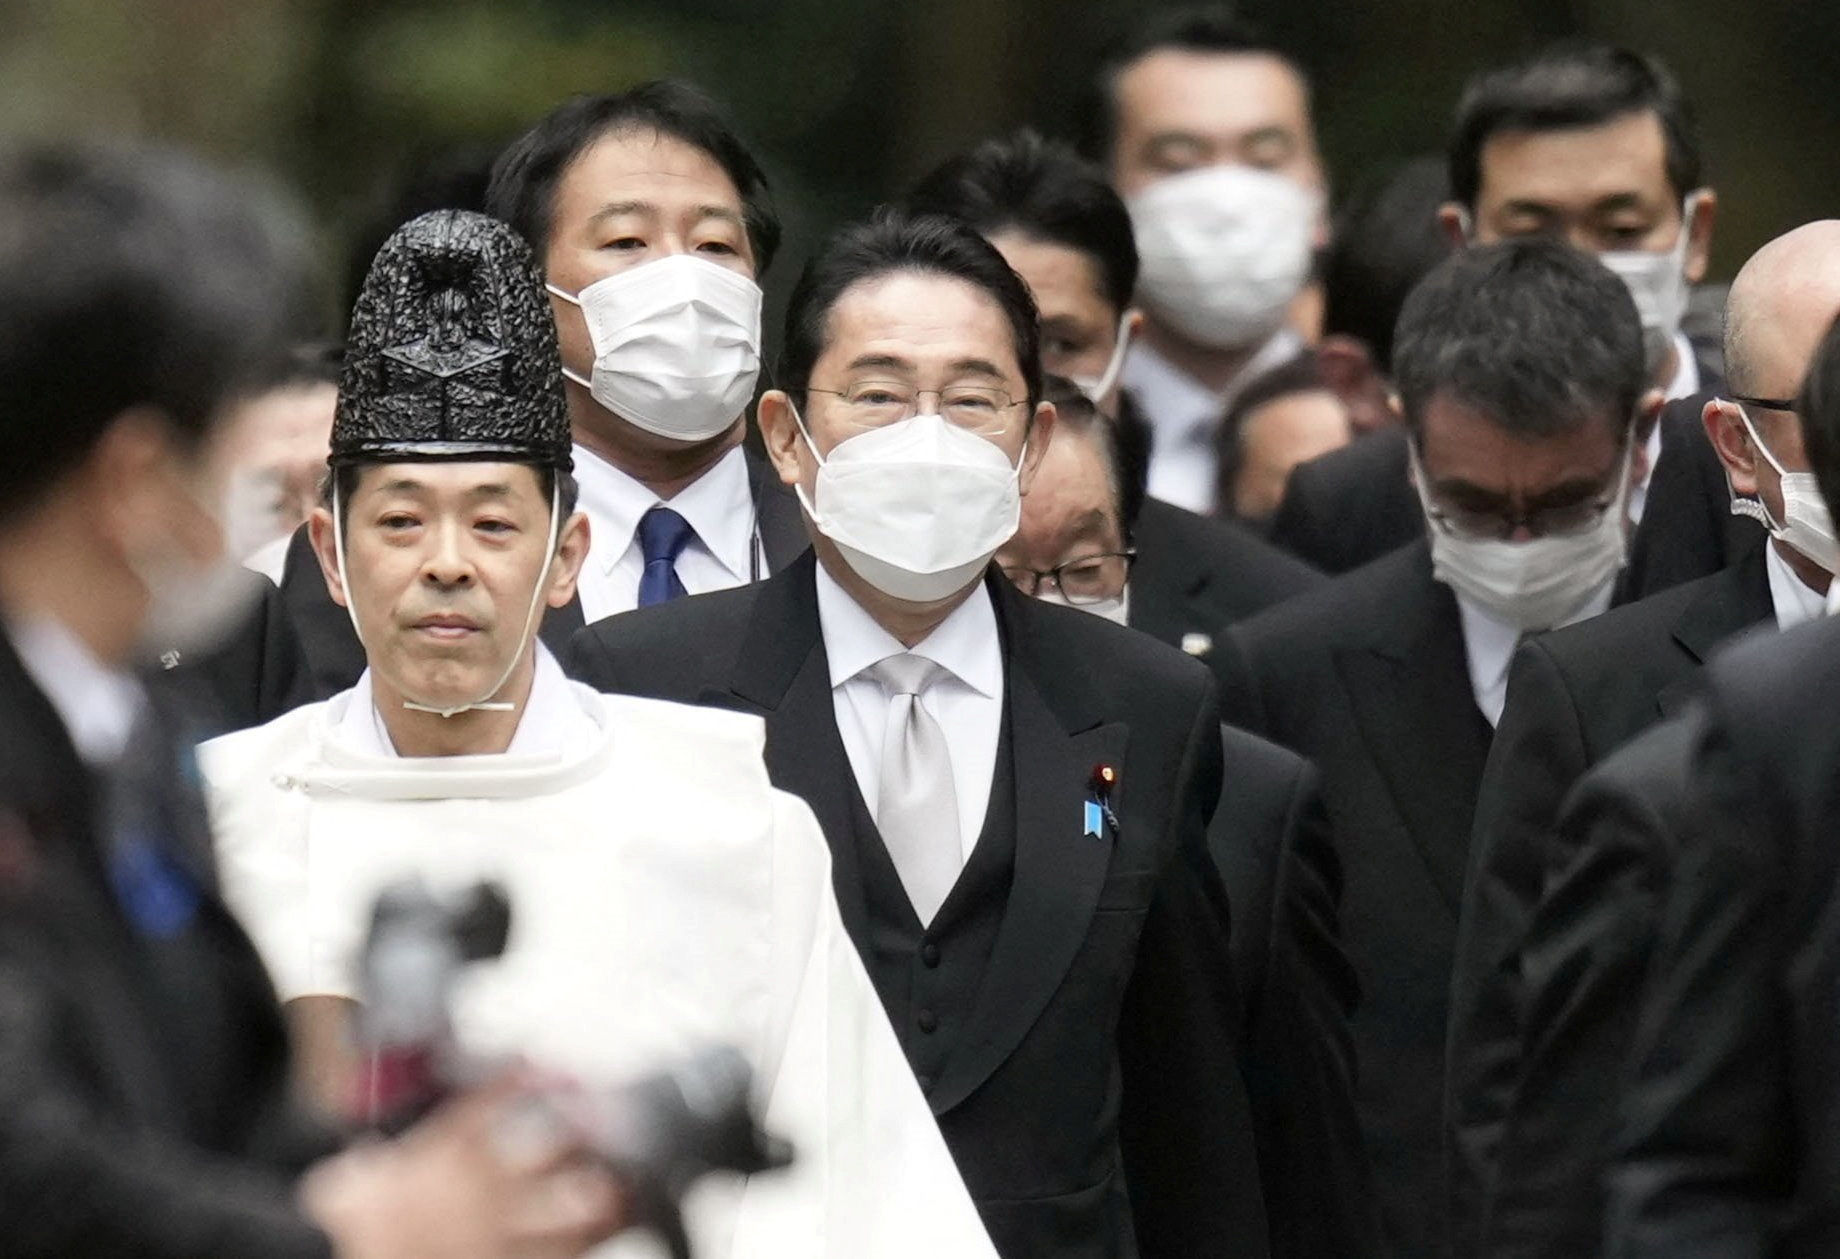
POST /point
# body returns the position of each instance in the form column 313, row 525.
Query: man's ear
column 779, row 433
column 1699, row 239
column 1732, row 444
column 325, row 550
column 571, row 554
column 1041, row 433
column 1346, row 364
column 1454, row 218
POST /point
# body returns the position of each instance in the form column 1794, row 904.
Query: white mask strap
column 566, row 296
column 1745, row 505
column 1115, row 368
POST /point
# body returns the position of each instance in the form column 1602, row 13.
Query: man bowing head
column 1016, row 795
column 665, row 896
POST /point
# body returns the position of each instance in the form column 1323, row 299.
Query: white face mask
column 1539, row 583
column 1099, row 387
column 191, row 607
column 676, row 345
column 1117, row 611
column 1658, row 283
column 485, row 702
column 1223, row 252
column 1807, row 525
column 916, row 508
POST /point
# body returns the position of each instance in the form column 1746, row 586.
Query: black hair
column 1204, row 28
column 525, row 177
column 1075, row 414
column 1536, row 335
column 893, row 241
column 1818, row 408
column 1568, row 86
column 1045, row 191
column 344, row 478
column 130, row 277
column 1387, row 238
column 1301, row 374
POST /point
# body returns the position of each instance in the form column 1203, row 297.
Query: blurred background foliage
column 347, row 102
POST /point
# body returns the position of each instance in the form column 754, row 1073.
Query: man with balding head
column 1528, row 1055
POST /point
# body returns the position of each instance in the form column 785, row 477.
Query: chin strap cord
column 485, row 703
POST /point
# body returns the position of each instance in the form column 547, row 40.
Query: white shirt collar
column 965, row 644
column 1181, row 409
column 719, row 506
column 97, row 704
column 1793, row 601
column 1489, row 644
column 551, row 724
column 1686, row 380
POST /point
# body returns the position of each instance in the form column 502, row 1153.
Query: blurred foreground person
column 1056, row 221
column 652, row 223
column 1271, row 840
column 1574, row 697
column 668, row 897
column 1725, row 1146
column 1522, row 385
column 144, row 1086
column 1016, row 795
column 1596, row 146
column 1205, row 130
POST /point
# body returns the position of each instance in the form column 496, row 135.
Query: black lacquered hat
column 452, row 352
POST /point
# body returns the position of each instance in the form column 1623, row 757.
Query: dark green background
column 848, row 100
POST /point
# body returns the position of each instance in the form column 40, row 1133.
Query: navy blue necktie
column 663, row 534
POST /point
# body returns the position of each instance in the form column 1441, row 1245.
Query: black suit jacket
column 1574, row 696
column 1349, row 506
column 1099, row 1055
column 257, row 673
column 1193, row 575
column 1728, row 1139
column 1368, row 678
column 1583, row 964
column 144, row 1103
column 1272, row 841
column 335, row 659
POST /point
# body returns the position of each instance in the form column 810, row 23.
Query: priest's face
column 448, row 567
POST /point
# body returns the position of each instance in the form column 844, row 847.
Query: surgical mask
column 1223, row 252
column 676, row 345
column 1658, row 283
column 1117, row 611
column 916, row 508
column 1101, row 386
column 1807, row 525
column 485, row 702
column 1541, row 582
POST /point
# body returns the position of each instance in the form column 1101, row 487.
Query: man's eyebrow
column 976, row 367
column 1523, row 205
column 1619, row 201
column 719, row 212
column 492, row 489
column 889, row 362
column 401, row 485
column 617, row 209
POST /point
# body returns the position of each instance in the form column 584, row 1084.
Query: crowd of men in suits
column 1239, row 731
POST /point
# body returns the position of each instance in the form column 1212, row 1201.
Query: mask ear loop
column 484, row 703
column 575, row 301
column 1755, row 508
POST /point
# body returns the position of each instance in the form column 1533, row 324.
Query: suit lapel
column 776, row 515
column 1733, row 601
column 1059, row 869
column 1417, row 713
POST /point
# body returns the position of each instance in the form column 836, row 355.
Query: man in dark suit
column 1055, row 220
column 1595, row 145
column 1272, row 841
column 675, row 502
column 1522, row 383
column 1051, row 945
column 145, row 1101
column 1576, row 695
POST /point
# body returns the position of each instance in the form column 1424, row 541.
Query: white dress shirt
column 967, row 702
column 1489, row 643
column 1184, row 415
column 719, row 506
column 552, row 722
column 97, row 704
column 1794, row 602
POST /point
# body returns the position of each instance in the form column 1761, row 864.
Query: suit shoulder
column 1131, row 660
column 1341, row 610
column 1209, row 545
column 1254, row 757
column 705, row 619
column 1634, row 627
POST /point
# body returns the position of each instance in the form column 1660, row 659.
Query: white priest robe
column 664, row 896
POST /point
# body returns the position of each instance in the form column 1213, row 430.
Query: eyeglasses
column 1565, row 521
column 1086, row 579
column 1767, row 404
column 872, row 403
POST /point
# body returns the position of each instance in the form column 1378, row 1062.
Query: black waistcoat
column 928, row 977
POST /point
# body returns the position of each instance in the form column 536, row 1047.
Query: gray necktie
column 917, row 808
